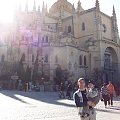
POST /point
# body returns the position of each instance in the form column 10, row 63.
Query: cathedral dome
column 61, row 4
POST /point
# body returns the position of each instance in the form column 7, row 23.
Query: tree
column 98, row 76
column 59, row 75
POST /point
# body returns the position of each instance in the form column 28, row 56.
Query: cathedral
column 62, row 43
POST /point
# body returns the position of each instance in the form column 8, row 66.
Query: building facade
column 65, row 43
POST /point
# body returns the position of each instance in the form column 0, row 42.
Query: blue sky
column 7, row 10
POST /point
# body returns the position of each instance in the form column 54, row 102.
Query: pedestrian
column 105, row 95
column 19, row 87
column 26, row 87
column 75, row 87
column 81, row 101
column 61, row 93
column 111, row 89
column 119, row 89
column 66, row 84
column 68, row 92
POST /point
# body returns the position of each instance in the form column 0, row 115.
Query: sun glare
column 7, row 7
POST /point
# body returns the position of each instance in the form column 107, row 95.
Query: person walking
column 111, row 89
column 118, row 89
column 19, row 87
column 81, row 101
column 68, row 91
column 61, row 92
column 105, row 95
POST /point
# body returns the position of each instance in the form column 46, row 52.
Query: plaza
column 18, row 105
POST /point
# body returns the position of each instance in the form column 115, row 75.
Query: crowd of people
column 65, row 88
column 107, row 93
column 87, row 96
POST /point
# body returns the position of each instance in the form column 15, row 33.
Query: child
column 93, row 95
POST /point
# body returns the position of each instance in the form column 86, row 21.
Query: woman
column 105, row 95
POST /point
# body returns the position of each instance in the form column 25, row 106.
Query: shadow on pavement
column 47, row 97
column 12, row 95
column 115, row 108
column 116, row 99
column 107, row 110
column 50, row 98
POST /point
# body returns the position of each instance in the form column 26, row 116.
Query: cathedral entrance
column 110, row 65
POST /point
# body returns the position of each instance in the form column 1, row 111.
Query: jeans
column 106, row 99
column 92, row 116
column 111, row 99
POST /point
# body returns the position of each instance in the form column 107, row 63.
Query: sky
column 7, row 7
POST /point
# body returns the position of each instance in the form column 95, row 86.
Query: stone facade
column 83, row 43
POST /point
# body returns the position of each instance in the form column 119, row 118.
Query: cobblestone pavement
column 16, row 105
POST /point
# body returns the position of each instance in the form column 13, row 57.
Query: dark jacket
column 78, row 98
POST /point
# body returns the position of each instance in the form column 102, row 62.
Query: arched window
column 2, row 58
column 85, row 61
column 39, row 38
column 46, row 59
column 42, row 39
column 46, row 39
column 56, row 59
column 107, row 59
column 69, row 29
column 23, row 57
column 80, row 60
column 83, row 26
column 33, row 58
column 104, row 28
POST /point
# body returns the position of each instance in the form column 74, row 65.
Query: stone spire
column 19, row 8
column 39, row 8
column 73, row 8
column 60, row 23
column 26, row 6
column 97, row 5
column 98, row 21
column 115, row 26
column 46, row 9
column 43, row 7
column 34, row 6
column 79, row 7
column 114, row 13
